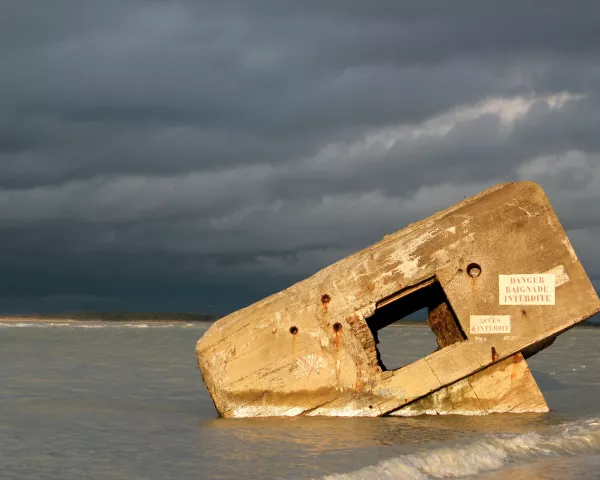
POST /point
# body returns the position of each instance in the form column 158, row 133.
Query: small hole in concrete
column 325, row 298
column 524, row 313
column 370, row 406
column 294, row 330
column 337, row 327
column 474, row 270
column 460, row 270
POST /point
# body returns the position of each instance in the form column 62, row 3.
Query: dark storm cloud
column 206, row 153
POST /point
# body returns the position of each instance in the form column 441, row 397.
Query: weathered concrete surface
column 311, row 349
column 503, row 387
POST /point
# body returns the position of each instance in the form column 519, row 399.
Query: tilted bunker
column 498, row 276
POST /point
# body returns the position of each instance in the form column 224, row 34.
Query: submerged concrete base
column 507, row 386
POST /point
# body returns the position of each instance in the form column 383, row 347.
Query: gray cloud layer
column 197, row 155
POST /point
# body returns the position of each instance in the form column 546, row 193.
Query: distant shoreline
column 135, row 317
column 74, row 320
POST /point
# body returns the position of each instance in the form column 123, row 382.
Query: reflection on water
column 342, row 433
column 121, row 402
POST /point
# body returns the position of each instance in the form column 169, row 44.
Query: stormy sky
column 199, row 155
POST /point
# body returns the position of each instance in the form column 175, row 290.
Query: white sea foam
column 484, row 454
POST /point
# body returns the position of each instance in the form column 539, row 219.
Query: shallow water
column 126, row 401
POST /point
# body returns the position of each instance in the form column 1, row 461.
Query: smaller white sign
column 487, row 324
column 527, row 289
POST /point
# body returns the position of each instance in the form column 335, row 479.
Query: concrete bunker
column 287, row 355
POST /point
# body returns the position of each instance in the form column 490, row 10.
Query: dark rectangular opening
column 427, row 297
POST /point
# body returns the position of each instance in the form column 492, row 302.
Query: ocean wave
column 484, row 454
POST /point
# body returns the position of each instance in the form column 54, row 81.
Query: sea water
column 126, row 401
